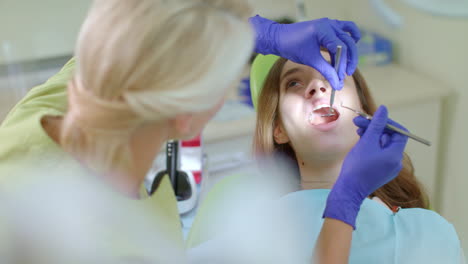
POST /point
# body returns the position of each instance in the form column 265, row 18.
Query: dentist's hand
column 300, row 42
column 375, row 160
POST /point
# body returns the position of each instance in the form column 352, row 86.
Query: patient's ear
column 182, row 125
column 279, row 134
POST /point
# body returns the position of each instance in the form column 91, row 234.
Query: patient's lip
column 325, row 127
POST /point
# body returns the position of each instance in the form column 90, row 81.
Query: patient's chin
column 324, row 153
column 327, row 147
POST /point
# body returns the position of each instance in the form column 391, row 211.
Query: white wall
column 325, row 8
column 48, row 28
column 39, row 29
column 433, row 46
column 319, row 8
column 274, row 9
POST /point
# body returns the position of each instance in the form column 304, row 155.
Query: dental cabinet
column 414, row 100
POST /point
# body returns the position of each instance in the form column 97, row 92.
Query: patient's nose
column 316, row 88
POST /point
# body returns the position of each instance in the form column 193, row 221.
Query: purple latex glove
column 375, row 160
column 300, row 42
column 362, row 123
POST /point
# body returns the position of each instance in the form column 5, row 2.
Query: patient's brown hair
column 404, row 191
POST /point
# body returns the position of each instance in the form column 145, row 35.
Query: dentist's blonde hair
column 143, row 61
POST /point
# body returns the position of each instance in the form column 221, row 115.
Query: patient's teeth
column 320, row 106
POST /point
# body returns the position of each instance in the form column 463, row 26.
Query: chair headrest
column 258, row 73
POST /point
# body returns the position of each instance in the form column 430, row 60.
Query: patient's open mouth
column 318, row 116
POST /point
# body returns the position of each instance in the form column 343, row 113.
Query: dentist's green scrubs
column 31, row 163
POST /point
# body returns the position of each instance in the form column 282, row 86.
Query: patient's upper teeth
column 321, row 106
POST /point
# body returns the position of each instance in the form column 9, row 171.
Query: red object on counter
column 191, row 150
column 195, row 142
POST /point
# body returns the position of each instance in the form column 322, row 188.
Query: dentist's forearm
column 334, row 243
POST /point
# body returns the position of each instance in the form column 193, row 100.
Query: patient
column 393, row 224
column 289, row 121
column 274, row 215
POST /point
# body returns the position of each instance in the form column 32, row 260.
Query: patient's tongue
column 318, row 116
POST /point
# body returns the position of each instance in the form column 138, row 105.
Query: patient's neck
column 319, row 175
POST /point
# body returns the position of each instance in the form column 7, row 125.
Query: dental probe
column 391, row 127
column 337, row 68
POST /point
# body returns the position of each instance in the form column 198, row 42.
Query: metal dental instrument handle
column 391, row 127
column 337, row 68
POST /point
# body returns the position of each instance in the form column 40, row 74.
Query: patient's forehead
column 304, row 69
column 290, row 64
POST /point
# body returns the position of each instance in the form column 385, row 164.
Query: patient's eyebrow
column 290, row 71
